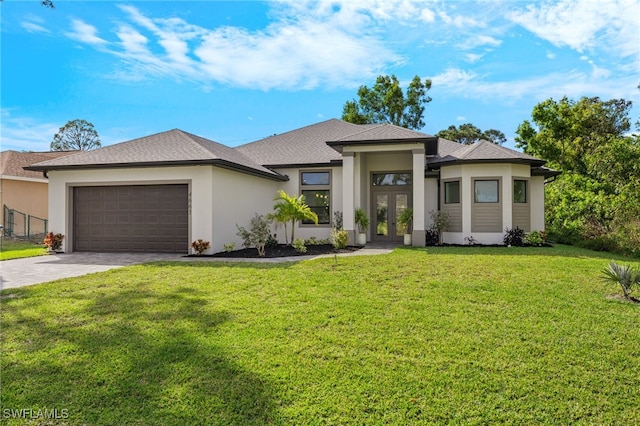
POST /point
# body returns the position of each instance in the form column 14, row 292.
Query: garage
column 131, row 218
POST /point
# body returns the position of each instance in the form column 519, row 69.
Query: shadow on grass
column 132, row 356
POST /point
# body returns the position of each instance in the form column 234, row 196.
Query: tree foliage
column 385, row 102
column 596, row 201
column 468, row 134
column 76, row 135
column 289, row 208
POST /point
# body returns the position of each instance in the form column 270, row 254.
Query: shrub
column 337, row 220
column 432, row 237
column 230, row 247
column 625, row 275
column 272, row 241
column 362, row 220
column 298, row 244
column 471, row 241
column 200, row 246
column 440, row 221
column 258, row 235
column 339, row 238
column 535, row 238
column 513, row 237
column 53, row 241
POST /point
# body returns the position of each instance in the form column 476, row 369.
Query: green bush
column 258, row 235
column 535, row 238
column 298, row 244
column 339, row 238
column 626, row 276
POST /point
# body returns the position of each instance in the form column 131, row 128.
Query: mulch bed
column 283, row 250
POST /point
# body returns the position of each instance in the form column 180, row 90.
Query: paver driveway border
column 27, row 271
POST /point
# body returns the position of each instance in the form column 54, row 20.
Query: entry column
column 418, row 237
column 348, row 195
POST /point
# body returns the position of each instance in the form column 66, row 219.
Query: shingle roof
column 306, row 145
column 12, row 162
column 174, row 147
column 482, row 151
column 378, row 132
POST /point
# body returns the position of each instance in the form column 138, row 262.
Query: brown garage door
column 136, row 218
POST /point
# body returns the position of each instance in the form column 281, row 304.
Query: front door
column 387, row 206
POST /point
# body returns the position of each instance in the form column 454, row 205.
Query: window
column 395, row 179
column 486, row 191
column 315, row 186
column 452, row 192
column 519, row 191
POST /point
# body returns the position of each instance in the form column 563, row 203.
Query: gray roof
column 306, row 145
column 12, row 162
column 480, row 152
column 315, row 145
column 174, row 147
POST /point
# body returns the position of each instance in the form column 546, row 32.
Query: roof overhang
column 437, row 164
column 430, row 143
column 545, row 171
column 211, row 162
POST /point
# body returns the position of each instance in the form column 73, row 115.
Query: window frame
column 446, row 185
column 475, row 198
column 317, row 187
column 526, row 191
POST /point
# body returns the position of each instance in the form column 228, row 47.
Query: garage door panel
column 138, row 218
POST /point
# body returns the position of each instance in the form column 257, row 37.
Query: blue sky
column 235, row 72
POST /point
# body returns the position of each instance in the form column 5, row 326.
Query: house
column 159, row 192
column 25, row 191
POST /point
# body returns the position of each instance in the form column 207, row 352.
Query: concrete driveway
column 34, row 270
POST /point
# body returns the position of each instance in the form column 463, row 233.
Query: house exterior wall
column 292, row 186
column 235, row 199
column 29, row 196
column 506, row 173
column 199, row 179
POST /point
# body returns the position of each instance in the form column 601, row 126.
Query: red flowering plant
column 53, row 241
column 200, row 246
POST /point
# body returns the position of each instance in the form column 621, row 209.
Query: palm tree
column 290, row 208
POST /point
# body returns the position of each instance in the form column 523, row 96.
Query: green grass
column 419, row 336
column 18, row 249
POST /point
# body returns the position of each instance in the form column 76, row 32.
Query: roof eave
column 339, row 145
column 533, row 163
column 213, row 162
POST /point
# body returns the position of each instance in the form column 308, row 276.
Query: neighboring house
column 24, row 190
column 159, row 192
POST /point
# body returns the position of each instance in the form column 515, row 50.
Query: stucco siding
column 28, row 197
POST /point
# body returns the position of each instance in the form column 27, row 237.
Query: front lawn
column 17, row 249
column 435, row 335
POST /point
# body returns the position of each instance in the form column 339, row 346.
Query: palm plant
column 625, row 275
column 290, row 208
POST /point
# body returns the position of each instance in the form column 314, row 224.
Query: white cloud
column 574, row 84
column 306, row 49
column 34, row 28
column 85, row 33
column 461, row 118
column 551, row 55
column 610, row 25
column 479, row 41
column 472, row 57
column 25, row 133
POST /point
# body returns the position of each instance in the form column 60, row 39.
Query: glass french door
column 387, row 207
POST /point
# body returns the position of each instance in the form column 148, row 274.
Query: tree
column 386, row 103
column 468, row 134
column 76, row 135
column 566, row 132
column 596, row 200
column 290, row 208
